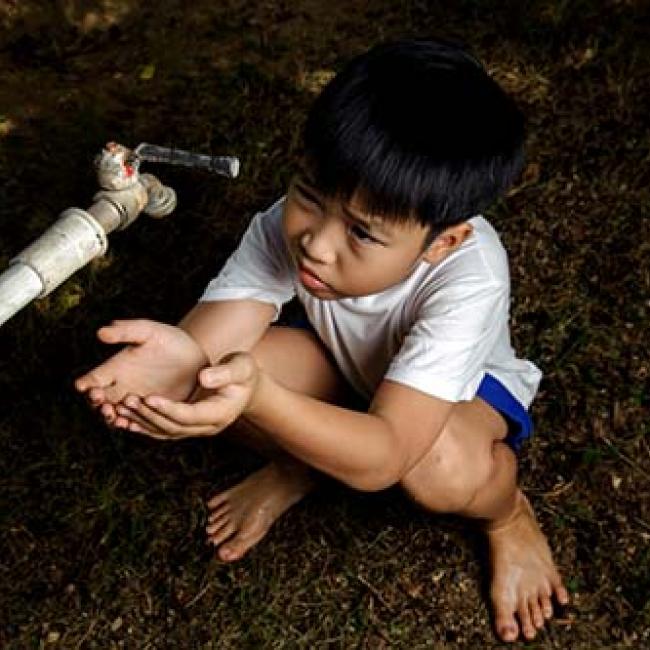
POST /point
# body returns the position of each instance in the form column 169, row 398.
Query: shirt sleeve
column 444, row 353
column 260, row 268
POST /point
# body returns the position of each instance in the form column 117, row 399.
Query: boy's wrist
column 259, row 388
column 206, row 361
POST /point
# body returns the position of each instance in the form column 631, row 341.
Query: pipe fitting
column 162, row 198
column 128, row 202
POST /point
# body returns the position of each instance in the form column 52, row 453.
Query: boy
column 406, row 290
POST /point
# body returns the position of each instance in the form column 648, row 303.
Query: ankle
column 288, row 470
column 510, row 513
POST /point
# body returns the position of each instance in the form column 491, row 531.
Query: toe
column 222, row 534
column 561, row 594
column 218, row 523
column 218, row 499
column 527, row 627
column 547, row 606
column 536, row 614
column 237, row 547
column 232, row 551
column 219, row 511
column 506, row 624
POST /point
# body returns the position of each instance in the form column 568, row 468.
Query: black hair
column 418, row 130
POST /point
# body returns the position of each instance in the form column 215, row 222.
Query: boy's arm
column 225, row 326
column 368, row 451
column 163, row 359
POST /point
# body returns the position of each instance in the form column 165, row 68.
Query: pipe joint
column 128, row 202
column 162, row 199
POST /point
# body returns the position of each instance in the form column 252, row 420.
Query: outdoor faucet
column 78, row 236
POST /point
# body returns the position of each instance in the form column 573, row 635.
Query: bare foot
column 524, row 577
column 242, row 515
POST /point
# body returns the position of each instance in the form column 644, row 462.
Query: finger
column 134, row 427
column 96, row 396
column 236, row 369
column 131, row 420
column 126, row 331
column 107, row 411
column 204, row 413
column 132, row 415
column 95, row 378
column 121, row 422
column 189, row 427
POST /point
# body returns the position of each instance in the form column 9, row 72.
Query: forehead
column 356, row 207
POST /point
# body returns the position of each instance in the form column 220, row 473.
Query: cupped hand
column 225, row 392
column 159, row 359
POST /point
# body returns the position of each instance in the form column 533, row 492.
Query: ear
column 447, row 242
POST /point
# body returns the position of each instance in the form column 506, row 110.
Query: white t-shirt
column 439, row 330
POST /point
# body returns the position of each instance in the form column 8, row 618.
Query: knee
column 448, row 478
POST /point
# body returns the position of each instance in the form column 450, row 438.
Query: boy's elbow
column 373, row 480
column 383, row 468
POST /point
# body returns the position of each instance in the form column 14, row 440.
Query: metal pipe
column 79, row 235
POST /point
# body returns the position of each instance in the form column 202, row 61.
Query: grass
column 101, row 532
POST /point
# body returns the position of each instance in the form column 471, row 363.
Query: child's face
column 341, row 251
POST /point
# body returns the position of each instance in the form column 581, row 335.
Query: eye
column 359, row 233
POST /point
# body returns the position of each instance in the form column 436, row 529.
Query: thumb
column 126, row 331
column 237, row 368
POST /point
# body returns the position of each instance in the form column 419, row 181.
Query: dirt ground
column 101, row 541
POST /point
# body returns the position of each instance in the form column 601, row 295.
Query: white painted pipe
column 79, row 235
column 65, row 247
column 19, row 285
column 75, row 239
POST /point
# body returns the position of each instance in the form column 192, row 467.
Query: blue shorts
column 490, row 390
column 520, row 425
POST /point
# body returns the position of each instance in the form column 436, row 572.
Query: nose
column 317, row 245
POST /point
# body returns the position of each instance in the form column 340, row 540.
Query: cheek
column 384, row 271
column 289, row 225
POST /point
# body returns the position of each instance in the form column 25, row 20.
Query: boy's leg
column 242, row 515
column 470, row 471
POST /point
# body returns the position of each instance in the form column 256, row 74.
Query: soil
column 101, row 532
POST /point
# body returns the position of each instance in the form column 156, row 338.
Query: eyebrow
column 373, row 226
column 308, row 190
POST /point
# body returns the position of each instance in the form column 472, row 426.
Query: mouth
column 310, row 280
